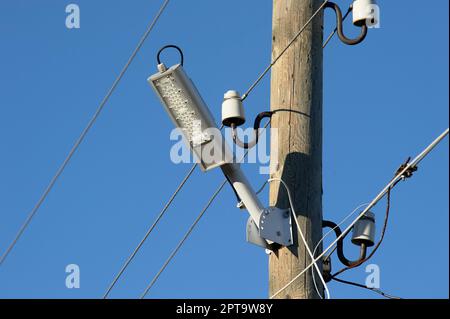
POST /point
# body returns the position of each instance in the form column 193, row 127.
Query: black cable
column 290, row 111
column 407, row 174
column 158, row 55
column 383, row 232
column 378, row 291
column 256, row 126
column 341, row 35
column 350, row 9
column 340, row 27
column 340, row 244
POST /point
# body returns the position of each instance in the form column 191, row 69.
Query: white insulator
column 232, row 109
column 365, row 12
column 364, row 230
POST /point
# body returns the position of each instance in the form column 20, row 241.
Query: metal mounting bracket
column 253, row 234
column 275, row 225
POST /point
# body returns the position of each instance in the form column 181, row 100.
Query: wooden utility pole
column 296, row 155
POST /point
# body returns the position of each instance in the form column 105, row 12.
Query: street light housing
column 189, row 112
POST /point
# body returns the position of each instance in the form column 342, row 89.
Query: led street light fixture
column 189, row 112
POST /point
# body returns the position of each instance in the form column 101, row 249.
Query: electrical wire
column 269, row 67
column 84, row 133
column 256, row 126
column 180, row 52
column 318, row 244
column 328, row 233
column 261, row 188
column 340, row 27
column 180, row 244
column 377, row 198
column 149, row 231
column 338, row 225
column 259, row 191
column 185, row 237
column 153, row 226
column 294, row 214
column 378, row 291
column 336, row 28
column 383, row 232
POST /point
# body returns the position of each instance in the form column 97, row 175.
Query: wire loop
column 340, row 245
column 158, row 56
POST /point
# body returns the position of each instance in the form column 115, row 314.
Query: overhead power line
column 183, row 240
column 150, row 230
column 378, row 291
column 185, row 237
column 335, row 29
column 263, row 74
column 84, row 133
column 394, row 181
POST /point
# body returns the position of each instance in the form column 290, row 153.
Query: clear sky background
column 384, row 100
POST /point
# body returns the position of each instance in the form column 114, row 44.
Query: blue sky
column 384, row 100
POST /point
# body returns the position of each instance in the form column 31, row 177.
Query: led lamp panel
column 188, row 111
